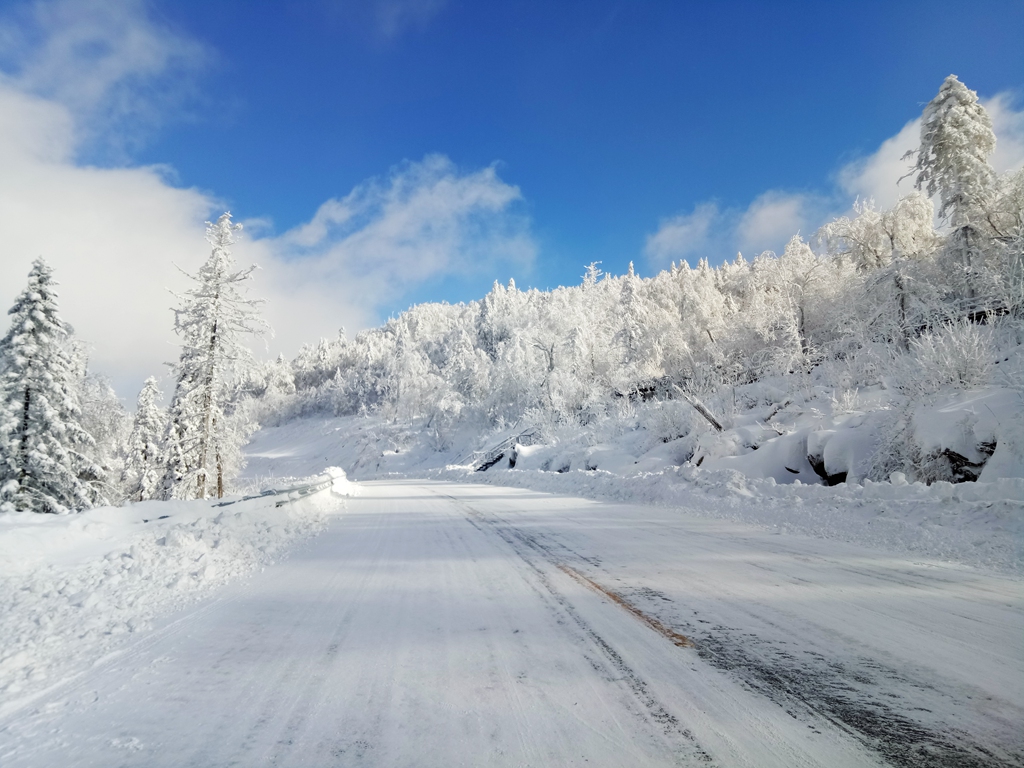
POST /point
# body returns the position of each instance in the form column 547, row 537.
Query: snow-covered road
column 435, row 624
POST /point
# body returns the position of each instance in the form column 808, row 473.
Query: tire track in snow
column 685, row 744
column 845, row 693
column 678, row 640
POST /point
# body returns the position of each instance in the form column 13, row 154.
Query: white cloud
column 115, row 69
column 877, row 176
column 681, row 236
column 771, row 220
column 714, row 233
column 775, row 216
column 113, row 235
column 425, row 220
column 1008, row 124
column 110, row 235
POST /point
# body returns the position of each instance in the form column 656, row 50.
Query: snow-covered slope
column 73, row 586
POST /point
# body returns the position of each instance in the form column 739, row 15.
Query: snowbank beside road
column 72, row 586
column 975, row 523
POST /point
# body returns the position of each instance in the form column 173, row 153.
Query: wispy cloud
column 115, row 69
column 683, row 236
column 772, row 219
column 715, row 233
column 395, row 16
column 775, row 216
column 425, row 220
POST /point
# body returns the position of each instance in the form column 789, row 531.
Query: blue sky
column 608, row 116
column 387, row 152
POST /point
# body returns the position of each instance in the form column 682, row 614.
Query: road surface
column 435, row 624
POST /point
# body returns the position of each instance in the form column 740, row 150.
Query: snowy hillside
column 884, row 348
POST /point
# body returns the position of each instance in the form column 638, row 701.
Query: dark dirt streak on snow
column 675, row 638
column 835, row 692
column 522, row 544
column 844, row 693
column 809, row 687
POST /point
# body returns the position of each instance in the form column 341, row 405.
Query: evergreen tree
column 205, row 433
column 43, row 447
column 952, row 161
column 144, row 456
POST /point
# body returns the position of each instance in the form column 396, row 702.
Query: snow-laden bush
column 958, row 355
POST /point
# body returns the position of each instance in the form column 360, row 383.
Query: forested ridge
column 897, row 301
column 861, row 326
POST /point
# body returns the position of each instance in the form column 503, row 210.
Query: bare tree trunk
column 207, row 409
column 901, row 293
column 701, row 409
column 220, row 477
column 22, row 503
column 801, row 330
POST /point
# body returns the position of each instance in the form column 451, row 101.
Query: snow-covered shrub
column 845, row 401
column 958, row 355
column 669, row 419
column 896, row 450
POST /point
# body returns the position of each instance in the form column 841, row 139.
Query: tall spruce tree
column 953, row 162
column 43, row 448
column 205, row 432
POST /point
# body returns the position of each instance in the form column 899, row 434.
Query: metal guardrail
column 484, row 460
column 292, row 493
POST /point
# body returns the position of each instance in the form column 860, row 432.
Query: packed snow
column 438, row 624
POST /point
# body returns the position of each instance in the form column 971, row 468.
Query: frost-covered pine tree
column 144, row 456
column 44, row 465
column 952, row 161
column 205, row 432
column 956, row 142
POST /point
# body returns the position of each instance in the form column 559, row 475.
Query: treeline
column 66, row 443
column 880, row 297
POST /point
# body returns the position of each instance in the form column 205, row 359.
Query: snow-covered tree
column 956, row 142
column 952, row 162
column 105, row 419
column 205, row 432
column 44, row 463
column 873, row 238
column 144, row 455
column 636, row 339
column 891, row 247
